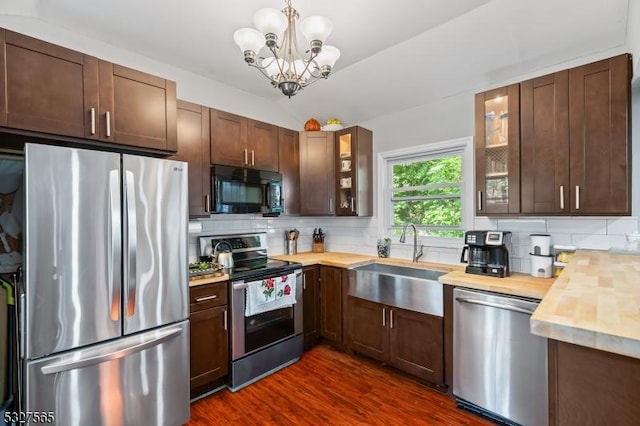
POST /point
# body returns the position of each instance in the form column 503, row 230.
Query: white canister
column 541, row 266
column 541, row 244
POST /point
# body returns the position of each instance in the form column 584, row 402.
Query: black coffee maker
column 487, row 253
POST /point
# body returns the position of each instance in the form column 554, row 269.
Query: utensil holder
column 318, row 247
column 292, row 246
column 384, row 248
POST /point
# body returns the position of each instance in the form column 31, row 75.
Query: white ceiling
column 396, row 55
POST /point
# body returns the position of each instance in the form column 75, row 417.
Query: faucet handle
column 419, row 253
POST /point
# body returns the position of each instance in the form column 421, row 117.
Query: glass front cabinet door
column 497, row 151
column 354, row 150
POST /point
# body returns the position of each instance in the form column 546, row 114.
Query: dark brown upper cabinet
column 47, row 88
column 600, row 137
column 497, row 151
column 193, row 147
column 544, row 111
column 136, row 108
column 50, row 89
column 576, row 140
column 263, row 145
column 354, row 174
column 317, row 168
column 289, row 160
column 239, row 141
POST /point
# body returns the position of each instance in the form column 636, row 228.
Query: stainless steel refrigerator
column 105, row 336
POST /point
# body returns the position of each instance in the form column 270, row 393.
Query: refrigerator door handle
column 96, row 356
column 131, row 273
column 115, row 244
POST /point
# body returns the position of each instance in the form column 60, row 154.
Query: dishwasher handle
column 495, row 305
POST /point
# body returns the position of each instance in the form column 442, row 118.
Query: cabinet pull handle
column 253, row 157
column 93, row 121
column 390, row 318
column 207, row 204
column 108, row 123
column 561, row 197
column 384, row 317
column 246, row 156
column 577, row 197
column 330, row 205
column 205, row 298
column 353, row 204
column 304, row 281
column 479, row 200
column 225, row 320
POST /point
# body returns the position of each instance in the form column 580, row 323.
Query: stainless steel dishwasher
column 499, row 367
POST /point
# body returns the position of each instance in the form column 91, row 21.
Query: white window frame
column 385, row 160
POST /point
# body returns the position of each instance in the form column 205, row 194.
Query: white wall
column 633, row 38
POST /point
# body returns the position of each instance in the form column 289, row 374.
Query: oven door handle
column 240, row 285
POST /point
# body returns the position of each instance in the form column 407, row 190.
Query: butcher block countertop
column 208, row 280
column 517, row 284
column 595, row 302
column 350, row 260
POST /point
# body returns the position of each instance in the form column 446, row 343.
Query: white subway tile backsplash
column 621, row 226
column 360, row 235
column 577, row 226
column 561, row 239
column 485, row 223
column 597, row 242
column 451, row 256
column 533, row 226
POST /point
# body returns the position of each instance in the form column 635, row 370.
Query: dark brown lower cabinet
column 592, row 387
column 311, row 305
column 331, row 303
column 410, row 341
column 209, row 337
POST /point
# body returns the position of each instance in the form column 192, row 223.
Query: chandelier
column 274, row 49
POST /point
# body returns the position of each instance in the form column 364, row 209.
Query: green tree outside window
column 428, row 194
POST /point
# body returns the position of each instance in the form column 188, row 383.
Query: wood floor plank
column 328, row 387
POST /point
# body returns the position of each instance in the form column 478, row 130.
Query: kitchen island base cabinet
column 592, row 387
column 209, row 338
column 410, row 341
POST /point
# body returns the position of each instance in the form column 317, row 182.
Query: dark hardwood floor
column 332, row 388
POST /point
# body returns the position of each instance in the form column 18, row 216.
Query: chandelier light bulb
column 328, row 56
column 316, row 29
column 270, row 22
column 250, row 42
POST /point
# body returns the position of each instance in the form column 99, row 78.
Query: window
column 426, row 186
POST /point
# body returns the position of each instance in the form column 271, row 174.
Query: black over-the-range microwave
column 242, row 190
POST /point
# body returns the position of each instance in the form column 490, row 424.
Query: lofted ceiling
column 396, row 55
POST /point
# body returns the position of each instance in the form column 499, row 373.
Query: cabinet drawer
column 207, row 296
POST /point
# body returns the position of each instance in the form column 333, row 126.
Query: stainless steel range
column 266, row 336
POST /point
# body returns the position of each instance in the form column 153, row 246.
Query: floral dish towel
column 269, row 294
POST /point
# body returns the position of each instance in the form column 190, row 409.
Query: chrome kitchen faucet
column 416, row 254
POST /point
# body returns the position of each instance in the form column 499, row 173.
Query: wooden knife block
column 318, row 247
